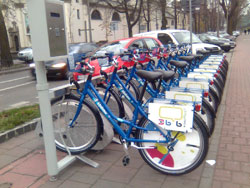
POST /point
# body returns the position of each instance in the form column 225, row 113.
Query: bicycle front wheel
column 86, row 129
column 187, row 154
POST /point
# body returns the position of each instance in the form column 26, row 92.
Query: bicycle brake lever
column 104, row 74
column 74, row 82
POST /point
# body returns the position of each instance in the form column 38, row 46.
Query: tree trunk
column 163, row 17
column 148, row 13
column 230, row 25
column 6, row 59
column 130, row 31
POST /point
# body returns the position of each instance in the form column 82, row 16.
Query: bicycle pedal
column 125, row 160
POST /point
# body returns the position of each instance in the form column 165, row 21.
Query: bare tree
column 232, row 11
column 6, row 59
column 148, row 8
column 132, row 11
column 162, row 5
column 105, row 25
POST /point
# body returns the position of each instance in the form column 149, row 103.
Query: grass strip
column 9, row 119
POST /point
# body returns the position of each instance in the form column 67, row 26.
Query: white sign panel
column 201, row 75
column 209, row 66
column 211, row 63
column 172, row 117
column 195, row 85
column 184, row 96
column 205, row 70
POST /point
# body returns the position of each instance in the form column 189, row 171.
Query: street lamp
column 191, row 26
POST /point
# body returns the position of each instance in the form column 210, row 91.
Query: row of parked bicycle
column 162, row 102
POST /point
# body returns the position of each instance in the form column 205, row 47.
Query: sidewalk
column 23, row 66
column 23, row 164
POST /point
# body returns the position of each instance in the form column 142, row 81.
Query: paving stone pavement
column 23, row 163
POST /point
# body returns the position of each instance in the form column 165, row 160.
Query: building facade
column 85, row 21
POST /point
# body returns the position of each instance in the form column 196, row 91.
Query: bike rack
column 42, row 33
column 49, row 140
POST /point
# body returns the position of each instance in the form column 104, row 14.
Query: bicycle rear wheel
column 112, row 99
column 86, row 130
column 186, row 155
column 208, row 115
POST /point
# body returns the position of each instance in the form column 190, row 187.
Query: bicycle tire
column 226, row 64
column 217, row 89
column 220, row 81
column 212, row 89
column 208, row 115
column 174, row 164
column 223, row 75
column 112, row 99
column 87, row 128
column 133, row 89
column 212, row 99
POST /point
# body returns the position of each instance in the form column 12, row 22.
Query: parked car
column 178, row 37
column 236, row 33
column 116, row 47
column 58, row 68
column 223, row 34
column 25, row 54
column 224, row 44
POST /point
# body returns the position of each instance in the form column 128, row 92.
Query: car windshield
column 184, row 37
column 26, row 49
column 212, row 37
column 73, row 48
column 114, row 47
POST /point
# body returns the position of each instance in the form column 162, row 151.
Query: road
column 19, row 89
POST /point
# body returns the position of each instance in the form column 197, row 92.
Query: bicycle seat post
column 143, row 91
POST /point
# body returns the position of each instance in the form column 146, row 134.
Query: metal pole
column 90, row 30
column 175, row 15
column 191, row 26
column 86, row 31
column 217, row 25
column 45, row 108
column 227, row 18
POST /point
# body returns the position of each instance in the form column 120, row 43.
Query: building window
column 96, row 15
column 78, row 13
column 114, row 26
column 142, row 27
column 172, row 22
column 27, row 26
column 77, row 1
column 79, row 32
column 166, row 21
column 116, row 17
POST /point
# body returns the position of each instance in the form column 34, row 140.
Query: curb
column 14, row 70
column 27, row 127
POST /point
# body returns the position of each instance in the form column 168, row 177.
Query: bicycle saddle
column 203, row 52
column 199, row 56
column 189, row 59
column 178, row 64
column 166, row 75
column 148, row 75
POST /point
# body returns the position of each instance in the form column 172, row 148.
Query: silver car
column 25, row 55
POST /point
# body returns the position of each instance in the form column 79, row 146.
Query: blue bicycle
column 78, row 126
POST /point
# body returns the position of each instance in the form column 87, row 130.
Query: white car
column 25, row 55
column 179, row 37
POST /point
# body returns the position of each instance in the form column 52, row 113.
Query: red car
column 116, row 47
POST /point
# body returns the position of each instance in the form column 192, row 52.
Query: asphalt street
column 19, row 89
